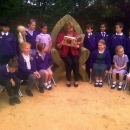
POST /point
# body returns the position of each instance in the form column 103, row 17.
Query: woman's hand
column 12, row 82
column 90, row 70
column 37, row 74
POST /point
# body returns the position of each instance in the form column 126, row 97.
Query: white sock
column 100, row 81
column 49, row 82
column 114, row 82
column 120, row 83
column 45, row 84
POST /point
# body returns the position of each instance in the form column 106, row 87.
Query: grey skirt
column 99, row 70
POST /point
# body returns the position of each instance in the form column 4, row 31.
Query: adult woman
column 69, row 53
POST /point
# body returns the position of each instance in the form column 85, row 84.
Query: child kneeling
column 120, row 65
column 8, row 79
column 100, row 63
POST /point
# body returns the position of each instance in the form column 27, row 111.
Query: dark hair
column 89, row 26
column 104, row 23
column 13, row 63
column 43, row 25
column 102, row 41
column 120, row 24
column 41, row 46
column 31, row 20
column 5, row 22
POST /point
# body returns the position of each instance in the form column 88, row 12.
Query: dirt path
column 62, row 108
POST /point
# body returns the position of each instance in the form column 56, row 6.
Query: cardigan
column 94, row 57
column 22, row 69
column 64, row 49
column 43, row 63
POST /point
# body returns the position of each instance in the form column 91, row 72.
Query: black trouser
column 5, row 59
column 128, row 64
column 72, row 63
column 11, row 90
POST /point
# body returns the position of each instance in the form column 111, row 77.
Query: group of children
column 107, row 52
column 29, row 58
column 25, row 58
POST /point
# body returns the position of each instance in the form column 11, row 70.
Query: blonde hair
column 21, row 38
column 102, row 41
column 118, row 48
column 24, row 44
column 67, row 25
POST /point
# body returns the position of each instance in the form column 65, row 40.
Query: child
column 1, row 88
column 117, row 39
column 100, row 63
column 8, row 79
column 28, row 70
column 89, row 43
column 43, row 37
column 43, row 61
column 103, row 34
column 120, row 64
column 7, row 43
column 31, row 35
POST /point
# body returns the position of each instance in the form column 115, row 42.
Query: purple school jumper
column 23, row 70
column 44, row 38
column 7, row 44
column 43, row 62
column 104, row 36
column 90, row 42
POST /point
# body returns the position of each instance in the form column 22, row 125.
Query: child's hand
column 90, row 70
column 37, row 74
column 106, row 72
column 12, row 82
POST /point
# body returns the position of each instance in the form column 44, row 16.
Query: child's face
column 32, row 25
column 103, row 28
column 44, row 50
column 118, row 29
column 26, row 50
column 101, row 46
column 89, row 30
column 69, row 29
column 120, row 52
column 23, row 32
column 44, row 29
column 5, row 29
column 12, row 70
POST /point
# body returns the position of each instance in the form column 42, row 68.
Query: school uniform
column 100, row 62
column 27, row 67
column 31, row 38
column 116, row 39
column 44, row 38
column 120, row 61
column 5, row 77
column 43, row 62
column 105, row 36
column 7, row 47
column 89, row 43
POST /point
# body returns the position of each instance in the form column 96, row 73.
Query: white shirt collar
column 119, row 34
column 89, row 34
column 25, row 56
column 122, row 55
column 4, row 33
column 103, row 32
column 43, row 34
column 7, row 68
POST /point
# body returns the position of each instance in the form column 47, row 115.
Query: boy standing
column 8, row 79
column 89, row 43
column 7, row 43
column 117, row 39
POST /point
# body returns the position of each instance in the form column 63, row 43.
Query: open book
column 74, row 40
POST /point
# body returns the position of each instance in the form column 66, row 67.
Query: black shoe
column 16, row 99
column 96, row 84
column 100, row 84
column 41, row 90
column 119, row 88
column 24, row 82
column 68, row 85
column 11, row 101
column 29, row 93
column 113, row 86
column 76, row 84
